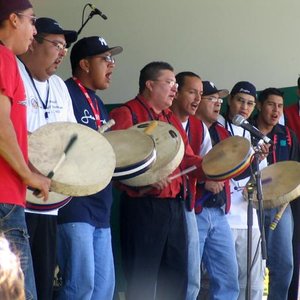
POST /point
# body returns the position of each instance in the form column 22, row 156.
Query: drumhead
column 135, row 152
column 280, row 184
column 228, row 158
column 89, row 164
column 169, row 153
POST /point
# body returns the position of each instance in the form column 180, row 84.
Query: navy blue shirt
column 93, row 209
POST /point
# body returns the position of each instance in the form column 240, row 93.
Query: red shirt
column 12, row 189
column 292, row 114
column 138, row 110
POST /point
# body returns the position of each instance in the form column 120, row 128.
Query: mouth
column 108, row 76
column 195, row 106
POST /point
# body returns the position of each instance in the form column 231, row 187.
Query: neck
column 85, row 80
column 179, row 114
column 263, row 127
column 152, row 102
column 35, row 71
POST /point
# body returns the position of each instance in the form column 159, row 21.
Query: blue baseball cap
column 244, row 87
column 209, row 88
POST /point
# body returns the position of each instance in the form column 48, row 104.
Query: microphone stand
column 250, row 189
column 83, row 25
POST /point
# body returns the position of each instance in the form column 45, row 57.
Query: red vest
column 293, row 118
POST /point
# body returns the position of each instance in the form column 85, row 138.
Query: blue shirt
column 93, row 209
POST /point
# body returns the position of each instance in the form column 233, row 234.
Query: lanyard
column 95, row 108
column 44, row 104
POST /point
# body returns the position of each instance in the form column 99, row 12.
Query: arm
column 11, row 152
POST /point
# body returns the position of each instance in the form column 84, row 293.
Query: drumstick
column 185, row 171
column 106, row 126
column 61, row 160
column 278, row 216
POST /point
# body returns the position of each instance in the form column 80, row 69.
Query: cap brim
column 70, row 36
column 223, row 93
column 115, row 50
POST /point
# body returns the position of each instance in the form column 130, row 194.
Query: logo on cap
column 102, row 41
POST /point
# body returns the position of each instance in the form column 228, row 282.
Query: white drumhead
column 89, row 164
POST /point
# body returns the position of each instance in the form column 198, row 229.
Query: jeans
column 85, row 259
column 258, row 265
column 279, row 253
column 12, row 224
column 218, row 253
column 193, row 284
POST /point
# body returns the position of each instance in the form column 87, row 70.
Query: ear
column 149, row 85
column 258, row 105
column 84, row 65
column 13, row 19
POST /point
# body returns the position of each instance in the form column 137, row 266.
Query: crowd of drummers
column 207, row 198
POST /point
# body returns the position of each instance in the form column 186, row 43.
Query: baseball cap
column 48, row 25
column 8, row 7
column 209, row 88
column 244, row 87
column 90, row 46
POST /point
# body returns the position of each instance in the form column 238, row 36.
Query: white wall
column 222, row 40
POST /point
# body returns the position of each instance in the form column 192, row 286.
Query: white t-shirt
column 59, row 108
column 237, row 215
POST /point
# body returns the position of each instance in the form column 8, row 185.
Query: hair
column 180, row 78
column 151, row 72
column 11, row 275
column 40, row 37
column 298, row 82
column 263, row 95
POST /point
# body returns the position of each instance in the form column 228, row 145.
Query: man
column 153, row 235
column 242, row 101
column 285, row 147
column 48, row 101
column 216, row 242
column 292, row 116
column 85, row 253
column 184, row 106
column 16, row 34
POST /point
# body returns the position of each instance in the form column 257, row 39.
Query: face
column 162, row 90
column 100, row 69
column 50, row 53
column 25, row 22
column 271, row 110
column 209, row 108
column 241, row 104
column 189, row 95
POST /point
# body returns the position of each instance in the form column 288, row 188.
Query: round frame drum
column 169, row 153
column 280, row 184
column 135, row 152
column 88, row 166
column 227, row 159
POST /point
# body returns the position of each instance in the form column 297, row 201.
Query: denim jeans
column 13, row 225
column 85, row 259
column 279, row 253
column 217, row 252
column 193, row 284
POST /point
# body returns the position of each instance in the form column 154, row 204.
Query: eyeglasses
column 171, row 83
column 214, row 99
column 33, row 18
column 108, row 58
column 246, row 102
column 59, row 46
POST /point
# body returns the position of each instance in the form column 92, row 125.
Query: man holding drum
column 213, row 202
column 85, row 253
column 48, row 101
column 17, row 28
column 285, row 147
column 153, row 227
column 241, row 101
column 184, row 106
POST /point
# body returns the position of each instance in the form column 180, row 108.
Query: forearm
column 10, row 150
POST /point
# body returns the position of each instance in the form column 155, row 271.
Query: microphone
column 96, row 11
column 239, row 120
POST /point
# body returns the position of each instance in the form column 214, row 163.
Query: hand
column 39, row 182
column 214, row 186
column 160, row 185
column 264, row 151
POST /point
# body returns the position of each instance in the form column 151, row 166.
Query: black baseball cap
column 51, row 26
column 209, row 88
column 90, row 46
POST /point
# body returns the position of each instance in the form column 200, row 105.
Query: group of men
column 170, row 230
